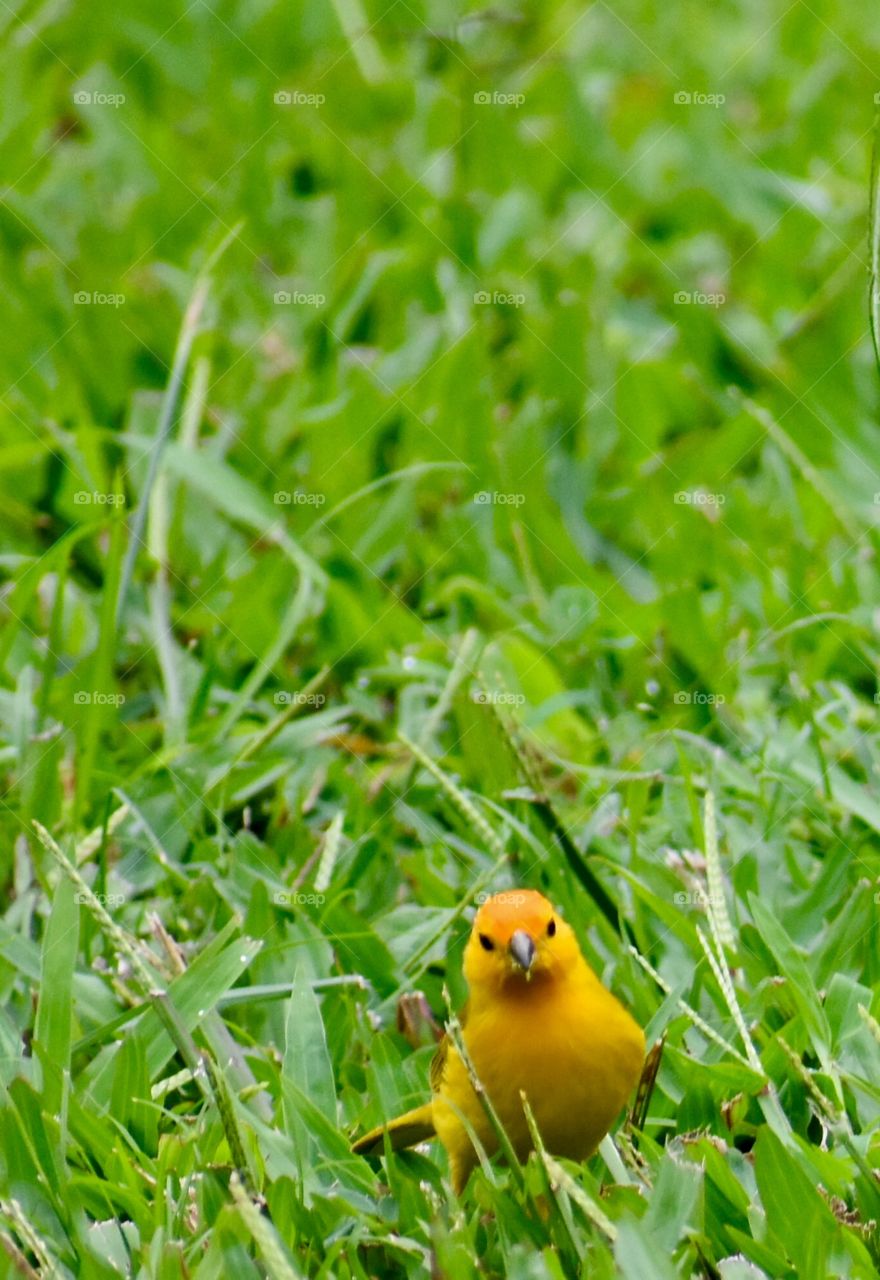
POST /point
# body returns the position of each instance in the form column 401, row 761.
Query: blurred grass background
column 499, row 380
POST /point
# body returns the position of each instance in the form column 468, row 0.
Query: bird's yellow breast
column 570, row 1046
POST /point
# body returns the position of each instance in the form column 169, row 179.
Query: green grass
column 529, row 538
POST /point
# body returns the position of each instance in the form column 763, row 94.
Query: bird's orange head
column 518, row 938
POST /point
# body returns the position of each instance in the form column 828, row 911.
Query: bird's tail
column 405, row 1131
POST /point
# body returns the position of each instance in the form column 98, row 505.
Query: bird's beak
column 522, row 949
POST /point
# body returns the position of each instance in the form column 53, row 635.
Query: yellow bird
column 537, row 1020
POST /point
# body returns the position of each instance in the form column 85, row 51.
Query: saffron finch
column 537, row 1020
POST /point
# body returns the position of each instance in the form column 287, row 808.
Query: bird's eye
column 486, row 942
column 551, row 929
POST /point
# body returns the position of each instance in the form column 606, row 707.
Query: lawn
column 438, row 454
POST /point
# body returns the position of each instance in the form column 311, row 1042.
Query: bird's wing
column 438, row 1062
column 438, row 1065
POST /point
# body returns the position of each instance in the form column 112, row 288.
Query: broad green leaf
column 797, row 1215
column 194, row 994
column 676, row 1205
column 306, row 1066
column 639, row 1255
column 793, row 966
column 54, row 1030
